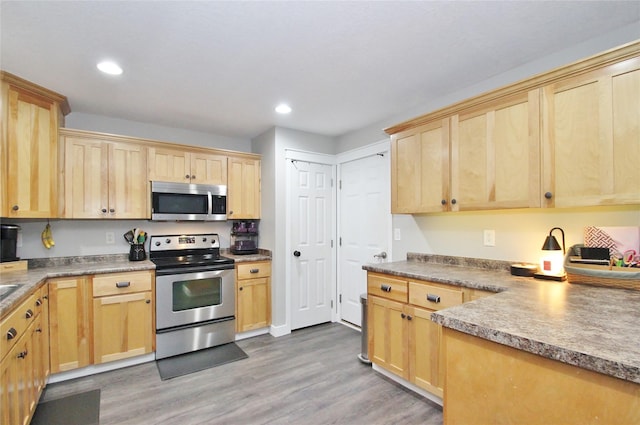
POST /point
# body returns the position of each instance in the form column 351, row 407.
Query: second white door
column 312, row 209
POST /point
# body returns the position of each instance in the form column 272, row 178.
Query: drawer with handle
column 387, row 287
column 16, row 323
column 433, row 295
column 121, row 283
column 253, row 270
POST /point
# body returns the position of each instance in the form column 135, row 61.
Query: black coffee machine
column 8, row 242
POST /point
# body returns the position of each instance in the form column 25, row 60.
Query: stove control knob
column 204, row 239
column 158, row 243
column 168, row 240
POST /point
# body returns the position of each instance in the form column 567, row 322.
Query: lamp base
column 555, row 277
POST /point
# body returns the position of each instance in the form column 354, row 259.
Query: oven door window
column 190, row 294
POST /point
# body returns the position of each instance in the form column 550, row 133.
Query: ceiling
column 221, row 67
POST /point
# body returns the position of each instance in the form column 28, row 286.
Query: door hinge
column 331, row 243
column 340, row 298
column 340, row 241
column 340, row 184
column 331, row 182
column 331, row 303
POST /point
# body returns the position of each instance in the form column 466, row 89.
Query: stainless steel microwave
column 188, row 202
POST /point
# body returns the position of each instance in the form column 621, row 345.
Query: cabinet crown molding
column 16, row 81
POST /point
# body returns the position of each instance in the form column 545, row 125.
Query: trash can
column 364, row 348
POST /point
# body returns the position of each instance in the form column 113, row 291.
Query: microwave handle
column 210, row 200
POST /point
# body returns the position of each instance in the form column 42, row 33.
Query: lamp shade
column 551, row 244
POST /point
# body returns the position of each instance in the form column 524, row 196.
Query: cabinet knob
column 548, row 195
column 409, row 317
column 38, row 330
column 104, row 210
column 453, row 201
column 147, row 301
column 187, row 176
column 23, row 354
column 240, row 289
column 15, row 208
column 112, row 210
column 193, row 176
column 230, row 212
column 28, row 314
column 11, row 333
column 45, row 297
column 403, row 315
column 443, row 202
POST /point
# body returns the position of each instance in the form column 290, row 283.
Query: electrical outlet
column 396, row 234
column 110, row 238
column 489, row 238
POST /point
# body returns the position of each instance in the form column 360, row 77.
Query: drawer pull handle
column 385, row 288
column 254, row 270
column 12, row 333
column 433, row 298
column 123, row 284
column 38, row 302
column 28, row 314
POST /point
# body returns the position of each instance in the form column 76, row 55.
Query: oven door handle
column 202, row 269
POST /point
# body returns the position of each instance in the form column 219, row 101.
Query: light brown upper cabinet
column 104, row 178
column 566, row 138
column 591, row 138
column 31, row 116
column 243, row 189
column 185, row 166
column 495, row 155
column 420, row 169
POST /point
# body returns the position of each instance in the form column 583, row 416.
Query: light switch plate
column 396, row 234
column 110, row 238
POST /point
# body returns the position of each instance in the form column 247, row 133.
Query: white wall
column 102, row 124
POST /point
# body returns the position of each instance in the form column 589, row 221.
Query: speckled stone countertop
column 41, row 269
column 589, row 327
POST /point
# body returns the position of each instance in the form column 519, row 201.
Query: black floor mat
column 76, row 409
column 185, row 364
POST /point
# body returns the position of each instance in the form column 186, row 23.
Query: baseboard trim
column 281, row 330
column 251, row 334
column 95, row 369
column 408, row 385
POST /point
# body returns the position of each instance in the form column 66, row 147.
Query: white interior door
column 364, row 227
column 312, row 261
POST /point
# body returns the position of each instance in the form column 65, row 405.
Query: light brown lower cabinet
column 122, row 316
column 253, row 295
column 23, row 369
column 69, row 323
column 401, row 336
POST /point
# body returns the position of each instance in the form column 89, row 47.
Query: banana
column 47, row 237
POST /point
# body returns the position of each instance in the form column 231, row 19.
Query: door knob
column 382, row 255
column 296, row 253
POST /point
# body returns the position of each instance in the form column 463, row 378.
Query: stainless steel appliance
column 8, row 242
column 188, row 202
column 195, row 293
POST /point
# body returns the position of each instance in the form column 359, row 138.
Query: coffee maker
column 8, row 242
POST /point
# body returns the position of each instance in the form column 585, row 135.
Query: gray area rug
column 185, row 364
column 76, row 409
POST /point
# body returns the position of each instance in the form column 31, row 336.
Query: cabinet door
column 15, row 384
column 420, row 169
column 591, row 138
column 208, row 169
column 86, row 178
column 254, row 304
column 128, row 184
column 69, row 330
column 169, row 165
column 122, row 326
column 387, row 333
column 426, row 354
column 495, row 155
column 243, row 189
column 31, row 156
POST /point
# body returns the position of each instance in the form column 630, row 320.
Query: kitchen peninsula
column 535, row 349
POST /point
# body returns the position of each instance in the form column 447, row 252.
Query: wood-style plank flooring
column 311, row 376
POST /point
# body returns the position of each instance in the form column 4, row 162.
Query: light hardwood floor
column 311, row 376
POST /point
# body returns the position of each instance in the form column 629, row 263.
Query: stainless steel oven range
column 195, row 293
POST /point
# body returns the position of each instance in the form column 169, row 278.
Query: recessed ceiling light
column 110, row 68
column 283, row 109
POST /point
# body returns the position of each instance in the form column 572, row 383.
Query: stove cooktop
column 186, row 250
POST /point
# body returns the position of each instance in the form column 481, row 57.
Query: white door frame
column 383, row 146
column 318, row 158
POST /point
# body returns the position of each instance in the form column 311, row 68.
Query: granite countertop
column 42, row 269
column 586, row 326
